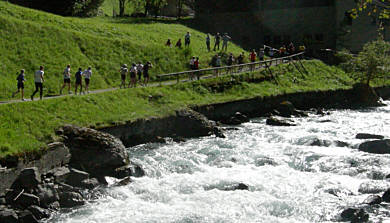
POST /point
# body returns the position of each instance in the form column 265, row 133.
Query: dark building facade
column 318, row 24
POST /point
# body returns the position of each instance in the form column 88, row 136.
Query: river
column 289, row 178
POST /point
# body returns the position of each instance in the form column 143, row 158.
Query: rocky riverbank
column 34, row 187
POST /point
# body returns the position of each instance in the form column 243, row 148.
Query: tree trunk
column 122, row 7
column 179, row 8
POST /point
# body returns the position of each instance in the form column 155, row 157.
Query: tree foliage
column 380, row 8
column 372, row 62
column 81, row 8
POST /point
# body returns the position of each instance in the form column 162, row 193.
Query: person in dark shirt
column 147, row 66
column 20, row 84
column 79, row 81
column 217, row 41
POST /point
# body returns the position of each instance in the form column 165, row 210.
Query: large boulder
column 373, row 199
column 376, row 146
column 363, row 94
column 71, row 199
column 273, row 121
column 27, row 217
column 354, row 215
column 386, row 196
column 96, row 152
column 38, row 212
column 368, row 136
column 286, row 109
column 28, row 179
column 236, row 119
column 47, row 194
column 21, row 199
column 8, row 216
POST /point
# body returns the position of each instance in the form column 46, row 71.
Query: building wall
column 318, row 24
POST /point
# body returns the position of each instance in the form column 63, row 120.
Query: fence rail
column 238, row 68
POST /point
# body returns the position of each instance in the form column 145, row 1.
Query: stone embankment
column 57, row 178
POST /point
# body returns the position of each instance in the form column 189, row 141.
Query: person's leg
column 22, row 92
column 81, row 88
column 36, row 90
column 62, row 87
column 69, row 85
column 40, row 91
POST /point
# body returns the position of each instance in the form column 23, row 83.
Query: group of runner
column 39, row 80
column 135, row 70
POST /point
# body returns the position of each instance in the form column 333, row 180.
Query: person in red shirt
column 252, row 58
column 196, row 67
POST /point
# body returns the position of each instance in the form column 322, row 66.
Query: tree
column 64, row 7
column 372, row 62
column 122, row 4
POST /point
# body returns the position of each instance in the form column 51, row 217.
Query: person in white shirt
column 38, row 79
column 123, row 72
column 66, row 79
column 87, row 77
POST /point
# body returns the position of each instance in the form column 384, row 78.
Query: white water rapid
column 289, row 179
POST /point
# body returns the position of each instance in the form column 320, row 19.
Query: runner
column 187, row 39
column 87, row 77
column 140, row 68
column 218, row 63
column 133, row 76
column 67, row 75
column 79, row 81
column 123, row 72
column 21, row 79
column 147, row 66
column 38, row 79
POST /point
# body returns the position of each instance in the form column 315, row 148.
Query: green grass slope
column 30, row 38
column 27, row 127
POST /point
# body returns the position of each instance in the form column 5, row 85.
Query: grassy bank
column 30, row 38
column 26, row 127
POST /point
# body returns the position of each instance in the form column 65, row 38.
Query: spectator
column 178, row 44
column 218, row 63
column 87, row 77
column 291, row 48
column 21, row 79
column 196, row 67
column 133, row 76
column 208, row 40
column 140, row 68
column 217, row 41
column 123, row 72
column 230, row 62
column 168, row 43
column 225, row 40
column 187, row 39
column 252, row 58
column 192, row 67
column 147, row 67
column 38, row 79
column 240, row 60
column 79, row 81
column 67, row 75
column 261, row 54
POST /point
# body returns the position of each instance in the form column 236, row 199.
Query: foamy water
column 289, row 180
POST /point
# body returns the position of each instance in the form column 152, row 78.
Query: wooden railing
column 239, row 68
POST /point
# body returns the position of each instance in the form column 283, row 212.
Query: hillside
column 26, row 127
column 30, row 38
